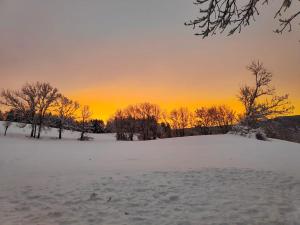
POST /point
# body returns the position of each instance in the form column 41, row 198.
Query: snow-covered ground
column 219, row 179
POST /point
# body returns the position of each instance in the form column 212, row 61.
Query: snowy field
column 219, row 179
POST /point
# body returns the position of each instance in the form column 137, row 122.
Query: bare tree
column 148, row 115
column 29, row 95
column 174, row 120
column 46, row 99
column 65, row 109
column 180, row 119
column 120, row 126
column 84, row 123
column 184, row 118
column 252, row 98
column 225, row 118
column 217, row 15
column 203, row 120
column 130, row 121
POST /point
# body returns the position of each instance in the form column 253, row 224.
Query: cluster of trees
column 208, row 119
column 204, row 120
column 40, row 104
column 147, row 121
column 141, row 119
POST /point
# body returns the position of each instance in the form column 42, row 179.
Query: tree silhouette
column 65, row 109
column 85, row 115
column 260, row 101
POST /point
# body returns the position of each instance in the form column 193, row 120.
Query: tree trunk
column 39, row 132
column 5, row 130
column 82, row 130
column 40, row 129
column 60, row 131
column 40, row 126
column 32, row 130
column 32, row 125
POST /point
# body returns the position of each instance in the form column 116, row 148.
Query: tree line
column 147, row 121
column 42, row 105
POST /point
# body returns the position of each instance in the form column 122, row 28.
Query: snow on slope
column 220, row 179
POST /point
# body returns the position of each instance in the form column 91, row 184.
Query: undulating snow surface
column 220, row 179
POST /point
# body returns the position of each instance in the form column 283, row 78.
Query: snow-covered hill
column 218, row 179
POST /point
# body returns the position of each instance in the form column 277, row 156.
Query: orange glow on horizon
column 104, row 104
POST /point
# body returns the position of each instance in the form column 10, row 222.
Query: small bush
column 245, row 131
column 260, row 136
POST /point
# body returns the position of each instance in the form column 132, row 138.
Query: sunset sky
column 111, row 53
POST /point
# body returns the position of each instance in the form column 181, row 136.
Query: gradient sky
column 111, row 53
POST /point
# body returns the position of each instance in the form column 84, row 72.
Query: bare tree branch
column 218, row 15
